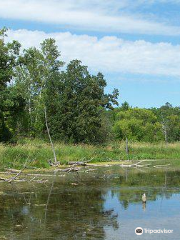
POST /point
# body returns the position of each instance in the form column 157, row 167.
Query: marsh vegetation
column 40, row 153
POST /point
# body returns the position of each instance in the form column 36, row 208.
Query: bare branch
column 47, row 127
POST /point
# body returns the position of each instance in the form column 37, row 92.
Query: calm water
column 101, row 204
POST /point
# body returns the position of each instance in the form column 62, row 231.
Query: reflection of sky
column 159, row 214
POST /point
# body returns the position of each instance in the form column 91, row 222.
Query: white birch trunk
column 52, row 145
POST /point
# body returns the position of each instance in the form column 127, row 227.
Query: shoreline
column 37, row 154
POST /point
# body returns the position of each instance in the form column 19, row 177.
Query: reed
column 39, row 153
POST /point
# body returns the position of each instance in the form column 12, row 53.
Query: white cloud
column 96, row 15
column 162, row 1
column 110, row 54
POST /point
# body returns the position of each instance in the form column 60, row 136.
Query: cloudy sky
column 134, row 43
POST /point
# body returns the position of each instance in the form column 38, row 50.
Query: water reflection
column 144, row 206
column 91, row 206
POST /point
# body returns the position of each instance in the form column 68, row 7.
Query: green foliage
column 8, row 59
column 76, row 102
column 39, row 153
column 169, row 117
column 78, row 109
column 148, row 125
column 35, row 70
column 74, row 99
column 10, row 103
column 137, row 124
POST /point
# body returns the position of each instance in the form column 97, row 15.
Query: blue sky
column 135, row 44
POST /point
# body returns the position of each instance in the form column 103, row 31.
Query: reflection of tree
column 77, row 212
column 125, row 203
column 154, row 183
column 73, row 212
column 49, row 195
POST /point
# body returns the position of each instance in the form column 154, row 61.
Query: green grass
column 39, row 153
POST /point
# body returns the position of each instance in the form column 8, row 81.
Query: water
column 100, row 204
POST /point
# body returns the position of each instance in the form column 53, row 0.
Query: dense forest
column 41, row 95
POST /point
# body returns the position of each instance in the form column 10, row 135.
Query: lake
column 100, row 203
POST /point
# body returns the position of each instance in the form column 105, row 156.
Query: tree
column 69, row 105
column 169, row 118
column 9, row 53
column 37, row 67
column 78, row 102
column 125, row 106
column 137, row 124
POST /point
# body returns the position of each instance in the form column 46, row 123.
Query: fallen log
column 3, row 179
column 12, row 170
column 17, row 175
column 78, row 163
column 159, row 166
column 70, row 170
column 39, row 175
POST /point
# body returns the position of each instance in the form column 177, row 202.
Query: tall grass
column 39, row 153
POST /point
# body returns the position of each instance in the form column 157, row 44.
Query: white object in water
column 144, row 198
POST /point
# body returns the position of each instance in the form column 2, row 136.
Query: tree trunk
column 127, row 148
column 52, row 145
column 164, row 128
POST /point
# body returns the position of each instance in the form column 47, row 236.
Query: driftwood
column 3, row 179
column 137, row 165
column 132, row 165
column 159, row 166
column 13, row 178
column 78, row 163
column 19, row 172
column 54, row 164
column 72, row 169
column 17, row 175
column 12, row 170
column 10, row 180
column 39, row 175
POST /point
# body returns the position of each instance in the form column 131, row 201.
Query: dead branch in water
column 72, row 169
column 13, row 171
column 78, row 163
column 139, row 164
column 10, row 180
column 17, row 175
column 159, row 166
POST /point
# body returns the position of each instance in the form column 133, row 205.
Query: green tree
column 9, row 53
column 169, row 118
column 37, row 67
column 137, row 124
column 78, row 102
